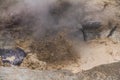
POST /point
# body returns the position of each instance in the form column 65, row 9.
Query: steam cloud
column 53, row 15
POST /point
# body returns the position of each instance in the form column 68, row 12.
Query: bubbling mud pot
column 12, row 56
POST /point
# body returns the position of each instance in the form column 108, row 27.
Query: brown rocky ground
column 62, row 49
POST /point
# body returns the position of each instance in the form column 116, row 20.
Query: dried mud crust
column 50, row 53
column 54, row 49
column 32, row 62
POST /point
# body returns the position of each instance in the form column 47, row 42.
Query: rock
column 12, row 56
column 91, row 29
column 115, row 37
column 26, row 74
column 103, row 72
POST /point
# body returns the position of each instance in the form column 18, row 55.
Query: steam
column 44, row 15
column 53, row 15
